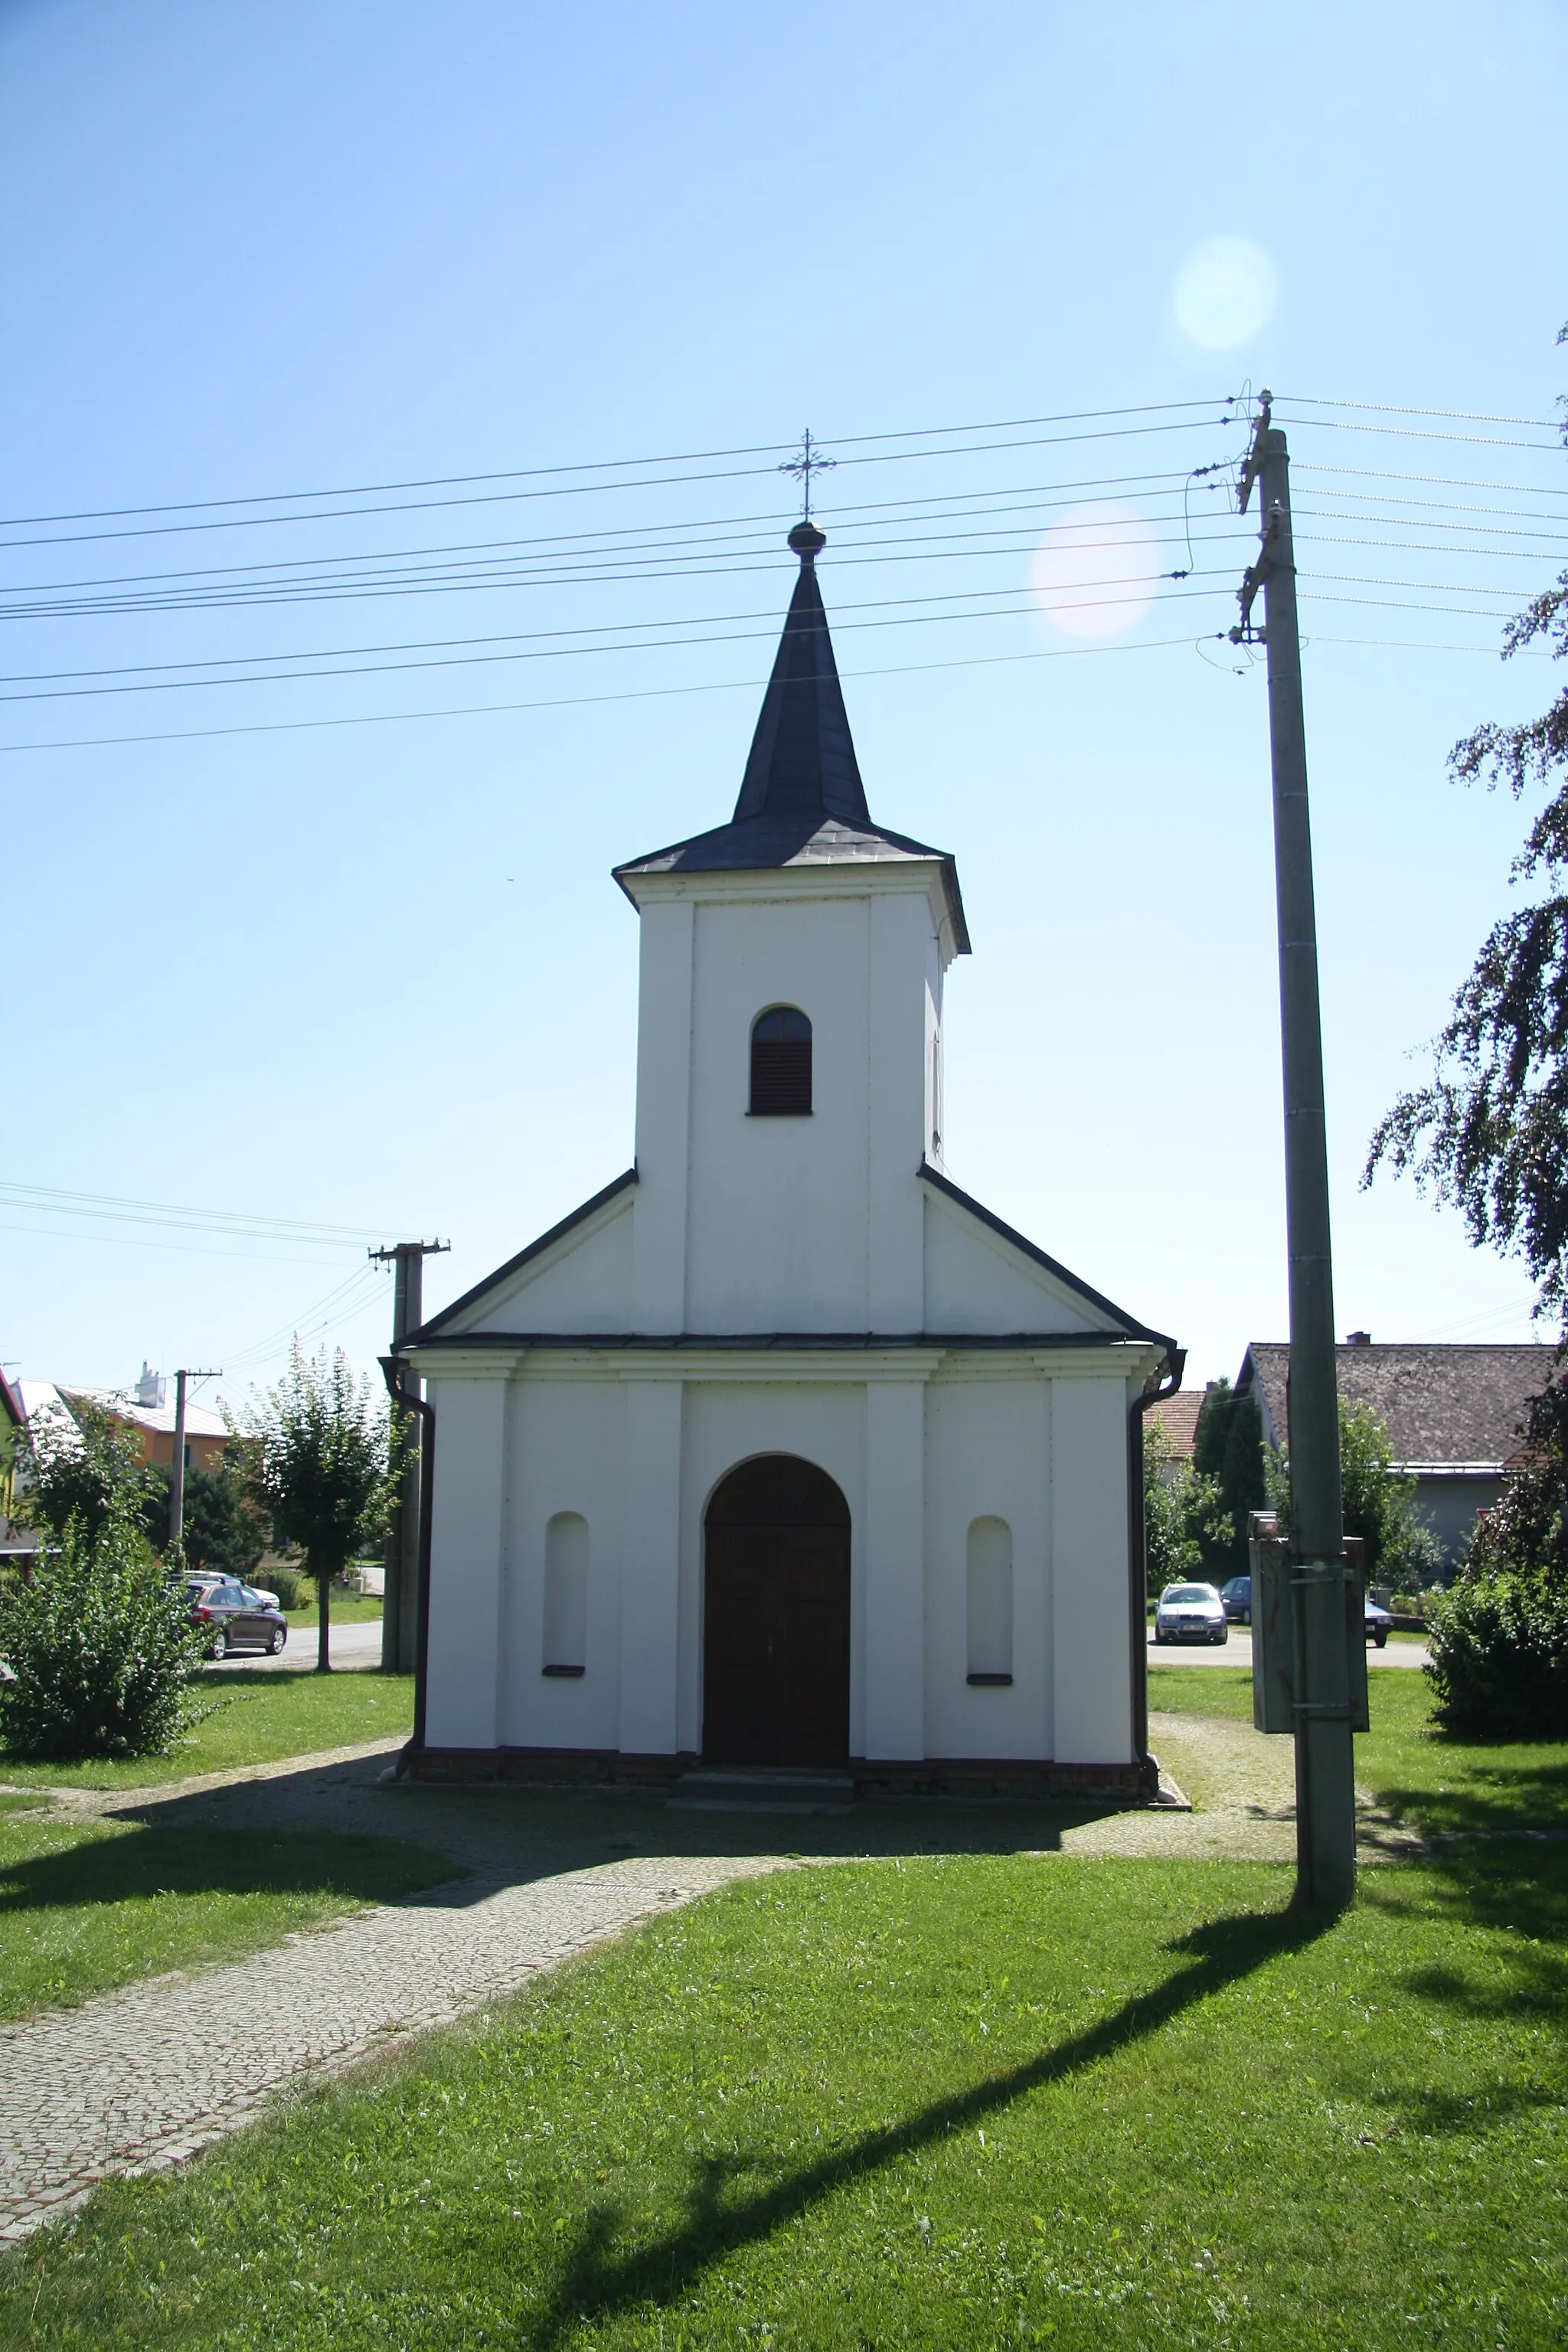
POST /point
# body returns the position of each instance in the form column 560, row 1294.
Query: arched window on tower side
column 780, row 1064
column 566, row 1594
column 990, row 1564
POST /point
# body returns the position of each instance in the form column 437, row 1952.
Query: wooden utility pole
column 400, row 1602
column 177, row 1460
column 1320, row 1679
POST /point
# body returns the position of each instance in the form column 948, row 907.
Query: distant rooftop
column 1440, row 1404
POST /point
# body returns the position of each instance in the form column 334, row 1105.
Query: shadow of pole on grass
column 595, row 2283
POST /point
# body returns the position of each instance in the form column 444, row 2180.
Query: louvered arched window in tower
column 780, row 1063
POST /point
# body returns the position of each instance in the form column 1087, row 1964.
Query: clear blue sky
column 376, row 977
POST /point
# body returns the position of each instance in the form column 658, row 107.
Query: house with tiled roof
column 1455, row 1414
column 1178, row 1418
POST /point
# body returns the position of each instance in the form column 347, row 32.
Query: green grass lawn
column 947, row 2101
column 346, row 1610
column 1407, row 1766
column 88, row 1906
column 939, row 2103
column 258, row 1718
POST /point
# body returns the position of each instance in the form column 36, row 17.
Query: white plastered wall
column 809, row 1223
column 567, row 1448
column 988, row 1455
column 1091, row 1593
column 468, row 1547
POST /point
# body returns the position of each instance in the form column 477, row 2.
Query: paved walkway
column 141, row 2079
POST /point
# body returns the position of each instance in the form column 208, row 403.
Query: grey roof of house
column 1439, row 1403
column 801, row 802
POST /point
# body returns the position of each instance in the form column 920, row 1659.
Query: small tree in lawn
column 224, row 1531
column 88, row 1467
column 1184, row 1520
column 319, row 1459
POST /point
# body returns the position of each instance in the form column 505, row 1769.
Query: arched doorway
column 775, row 1637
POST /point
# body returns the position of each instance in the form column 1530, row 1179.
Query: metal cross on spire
column 802, row 465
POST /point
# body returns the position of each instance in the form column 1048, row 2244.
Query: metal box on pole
column 1276, row 1630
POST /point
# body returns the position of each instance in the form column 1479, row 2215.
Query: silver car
column 1190, row 1613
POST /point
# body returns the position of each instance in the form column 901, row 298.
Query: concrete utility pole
column 1325, row 1781
column 177, row 1461
column 400, row 1602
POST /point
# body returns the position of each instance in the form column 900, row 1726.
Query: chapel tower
column 789, row 1050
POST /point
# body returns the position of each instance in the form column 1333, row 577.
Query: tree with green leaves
column 224, row 1531
column 318, row 1452
column 1498, row 1655
column 1488, row 1133
column 1227, row 1446
column 1182, row 1520
column 87, row 1468
column 1379, row 1503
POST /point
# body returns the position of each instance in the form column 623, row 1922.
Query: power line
column 758, row 559
column 585, row 489
column 125, row 1209
column 581, row 544
column 720, row 686
column 700, row 619
column 1433, row 481
column 1393, row 409
column 901, row 553
column 600, row 466
column 642, row 645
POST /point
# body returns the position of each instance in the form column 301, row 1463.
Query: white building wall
column 650, row 1572
column 1091, row 1580
column 988, row 1455
column 810, row 1224
column 893, row 1551
column 468, row 1561
column 663, row 1116
column 568, row 1439
column 777, row 1206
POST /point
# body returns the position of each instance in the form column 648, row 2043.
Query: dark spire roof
column 803, row 756
column 801, row 800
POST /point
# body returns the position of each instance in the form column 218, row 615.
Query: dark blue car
column 1236, row 1599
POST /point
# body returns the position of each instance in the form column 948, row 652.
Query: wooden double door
column 775, row 1641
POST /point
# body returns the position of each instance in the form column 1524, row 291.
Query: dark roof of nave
column 801, row 802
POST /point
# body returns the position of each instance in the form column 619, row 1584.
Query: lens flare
column 1096, row 572
column 1224, row 292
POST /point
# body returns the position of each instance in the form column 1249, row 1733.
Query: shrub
column 101, row 1653
column 1499, row 1645
column 289, row 1584
column 1499, row 1657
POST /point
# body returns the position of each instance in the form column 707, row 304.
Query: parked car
column 1190, row 1613
column 238, row 1615
column 1236, row 1594
column 1236, row 1597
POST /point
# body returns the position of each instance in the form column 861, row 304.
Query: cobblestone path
column 141, row 2079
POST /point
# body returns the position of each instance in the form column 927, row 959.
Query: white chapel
column 784, row 1452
